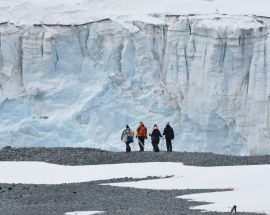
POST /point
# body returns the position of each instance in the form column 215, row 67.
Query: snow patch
column 249, row 184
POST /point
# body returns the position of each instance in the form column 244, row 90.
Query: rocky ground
column 20, row 199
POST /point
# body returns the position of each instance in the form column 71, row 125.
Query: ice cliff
column 79, row 85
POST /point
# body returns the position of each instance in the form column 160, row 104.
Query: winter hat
column 127, row 126
column 168, row 123
column 155, row 126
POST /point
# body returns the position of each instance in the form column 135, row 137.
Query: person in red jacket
column 141, row 134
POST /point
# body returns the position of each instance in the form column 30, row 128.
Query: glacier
column 78, row 85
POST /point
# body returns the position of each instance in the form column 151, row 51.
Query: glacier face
column 79, row 85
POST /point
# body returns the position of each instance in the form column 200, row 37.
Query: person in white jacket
column 127, row 137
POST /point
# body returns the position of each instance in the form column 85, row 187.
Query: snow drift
column 248, row 185
column 80, row 84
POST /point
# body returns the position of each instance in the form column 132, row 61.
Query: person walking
column 169, row 136
column 141, row 134
column 155, row 137
column 127, row 137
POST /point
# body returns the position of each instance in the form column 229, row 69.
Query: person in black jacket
column 155, row 135
column 169, row 136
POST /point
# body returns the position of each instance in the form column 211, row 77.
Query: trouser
column 128, row 149
column 141, row 143
column 169, row 145
column 155, row 146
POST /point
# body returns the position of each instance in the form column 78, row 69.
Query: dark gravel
column 87, row 156
column 23, row 199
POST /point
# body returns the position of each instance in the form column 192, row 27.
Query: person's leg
column 128, row 149
column 157, row 148
column 153, row 144
column 141, row 143
column 170, row 145
column 167, row 145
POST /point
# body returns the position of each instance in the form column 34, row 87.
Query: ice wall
column 80, row 85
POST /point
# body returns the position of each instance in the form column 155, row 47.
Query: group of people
column 141, row 133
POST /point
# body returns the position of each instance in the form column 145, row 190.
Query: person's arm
column 122, row 135
column 137, row 131
column 159, row 133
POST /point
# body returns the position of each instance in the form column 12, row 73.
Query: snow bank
column 249, row 183
column 37, row 172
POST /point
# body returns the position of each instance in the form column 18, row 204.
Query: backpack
column 142, row 131
column 155, row 135
column 130, row 139
column 130, row 135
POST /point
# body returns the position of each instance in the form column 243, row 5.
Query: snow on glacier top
column 81, row 11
